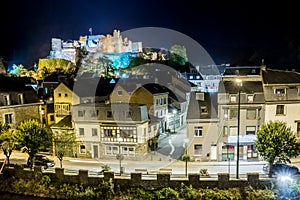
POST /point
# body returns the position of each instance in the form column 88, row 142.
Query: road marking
column 172, row 147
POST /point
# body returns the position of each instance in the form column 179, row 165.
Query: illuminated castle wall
column 113, row 46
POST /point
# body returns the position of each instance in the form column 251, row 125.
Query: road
column 170, row 150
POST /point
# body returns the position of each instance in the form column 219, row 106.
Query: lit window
column 233, row 98
column 280, row 91
column 198, row 131
column 280, row 110
column 250, row 98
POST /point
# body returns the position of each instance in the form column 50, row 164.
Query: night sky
column 236, row 32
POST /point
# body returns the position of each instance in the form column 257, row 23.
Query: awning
column 243, row 140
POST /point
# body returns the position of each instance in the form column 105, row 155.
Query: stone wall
column 136, row 179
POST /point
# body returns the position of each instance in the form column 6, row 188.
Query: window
column 250, row 98
column 225, row 131
column 198, row 131
column 233, row 98
column 204, row 110
column 298, row 129
column 51, row 118
column 82, row 149
column 280, row 91
column 94, row 132
column 109, row 114
column 225, row 114
column 20, row 99
column 198, row 149
column 66, row 95
column 81, row 113
column 128, row 114
column 280, row 110
column 59, row 94
column 6, row 100
column 250, row 130
column 131, row 151
column 119, row 92
column 8, row 118
column 251, row 114
column 233, row 130
column 233, row 114
column 112, row 150
column 81, row 131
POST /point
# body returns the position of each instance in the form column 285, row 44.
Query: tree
column 276, row 143
column 64, row 141
column 32, row 136
column 7, row 143
column 186, row 158
column 178, row 54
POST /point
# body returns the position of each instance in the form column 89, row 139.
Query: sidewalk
column 153, row 157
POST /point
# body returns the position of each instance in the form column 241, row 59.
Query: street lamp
column 174, row 121
column 120, row 156
column 239, row 84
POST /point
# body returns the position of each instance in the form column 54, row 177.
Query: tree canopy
column 33, row 136
column 276, row 143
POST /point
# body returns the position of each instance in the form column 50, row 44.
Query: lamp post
column 120, row 157
column 174, row 120
column 239, row 85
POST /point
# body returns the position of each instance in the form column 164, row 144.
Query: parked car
column 280, row 168
column 41, row 160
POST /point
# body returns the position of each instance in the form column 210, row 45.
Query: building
column 282, row 97
column 99, row 128
column 18, row 102
column 202, row 126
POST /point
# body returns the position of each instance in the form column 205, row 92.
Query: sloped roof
column 242, row 70
column 210, row 102
column 272, row 76
column 89, row 87
column 247, row 87
column 64, row 123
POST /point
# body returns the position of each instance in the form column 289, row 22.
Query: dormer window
column 204, row 110
column 233, row 98
column 280, row 91
column 250, row 98
column 6, row 100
